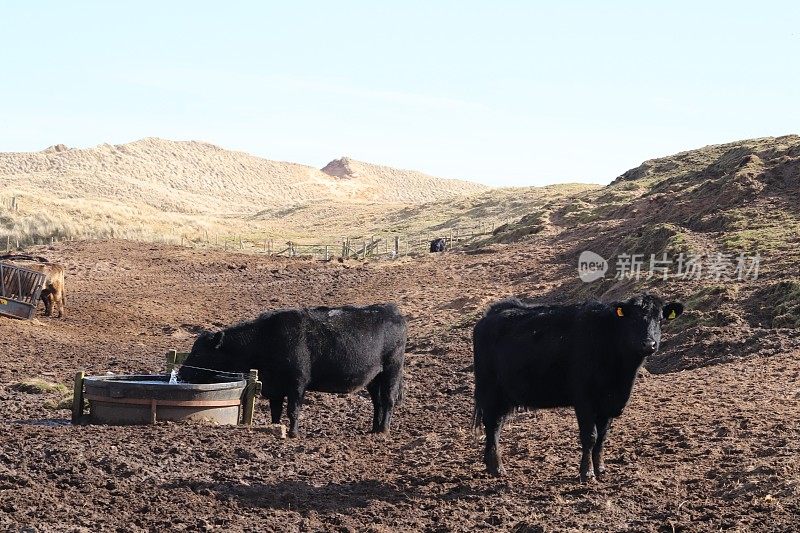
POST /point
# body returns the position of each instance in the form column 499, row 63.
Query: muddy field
column 711, row 448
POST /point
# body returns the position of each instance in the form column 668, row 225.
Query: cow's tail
column 477, row 419
column 400, row 354
column 402, row 394
column 477, row 412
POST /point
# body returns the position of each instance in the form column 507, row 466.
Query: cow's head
column 208, row 354
column 638, row 323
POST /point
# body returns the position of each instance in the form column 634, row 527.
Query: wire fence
column 387, row 245
column 348, row 247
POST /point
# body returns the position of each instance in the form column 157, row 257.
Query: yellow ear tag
column 671, row 315
column 619, row 312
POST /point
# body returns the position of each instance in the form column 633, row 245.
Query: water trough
column 150, row 398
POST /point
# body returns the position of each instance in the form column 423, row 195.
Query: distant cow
column 584, row 356
column 53, row 287
column 437, row 245
column 54, row 292
column 338, row 350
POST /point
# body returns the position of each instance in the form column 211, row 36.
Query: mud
column 714, row 447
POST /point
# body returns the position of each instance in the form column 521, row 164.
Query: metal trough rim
column 141, row 381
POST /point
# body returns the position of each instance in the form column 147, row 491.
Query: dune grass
column 39, row 386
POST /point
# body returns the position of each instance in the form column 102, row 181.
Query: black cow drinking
column 584, row 356
column 338, row 350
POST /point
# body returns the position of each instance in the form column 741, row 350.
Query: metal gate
column 19, row 291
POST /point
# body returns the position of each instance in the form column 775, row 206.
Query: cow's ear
column 673, row 310
column 217, row 339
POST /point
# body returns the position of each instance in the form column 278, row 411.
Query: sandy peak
column 340, row 168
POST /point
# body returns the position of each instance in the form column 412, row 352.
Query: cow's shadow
column 299, row 495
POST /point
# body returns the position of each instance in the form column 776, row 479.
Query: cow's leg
column 293, row 404
column 493, row 425
column 47, row 298
column 60, row 300
column 374, row 389
column 276, row 408
column 391, row 389
column 588, row 434
column 603, row 425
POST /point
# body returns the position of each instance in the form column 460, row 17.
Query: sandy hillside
column 154, row 184
column 195, row 177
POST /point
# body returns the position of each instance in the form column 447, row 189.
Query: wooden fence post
column 251, row 390
column 77, row 397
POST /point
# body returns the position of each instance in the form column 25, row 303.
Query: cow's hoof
column 587, row 477
column 600, row 473
column 499, row 471
column 293, row 434
column 495, row 468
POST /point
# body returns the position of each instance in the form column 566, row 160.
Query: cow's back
column 533, row 353
column 333, row 349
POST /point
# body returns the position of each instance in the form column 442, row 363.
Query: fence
column 374, row 246
column 9, row 202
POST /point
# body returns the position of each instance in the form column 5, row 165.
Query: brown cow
column 53, row 288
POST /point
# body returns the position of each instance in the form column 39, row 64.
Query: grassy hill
column 155, row 186
column 713, row 203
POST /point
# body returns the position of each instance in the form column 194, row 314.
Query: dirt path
column 705, row 449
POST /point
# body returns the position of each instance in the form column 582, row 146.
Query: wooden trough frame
column 20, row 289
column 246, row 402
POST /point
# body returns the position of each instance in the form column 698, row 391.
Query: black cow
column 338, row 350
column 584, row 356
column 437, row 245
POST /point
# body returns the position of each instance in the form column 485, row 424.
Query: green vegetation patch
column 657, row 239
column 712, row 305
column 65, row 403
column 761, row 230
column 39, row 386
column 780, row 303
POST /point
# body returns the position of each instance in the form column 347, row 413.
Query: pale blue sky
column 506, row 93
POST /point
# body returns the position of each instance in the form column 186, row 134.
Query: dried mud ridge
column 712, row 447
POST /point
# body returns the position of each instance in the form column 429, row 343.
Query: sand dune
column 153, row 185
column 196, row 177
